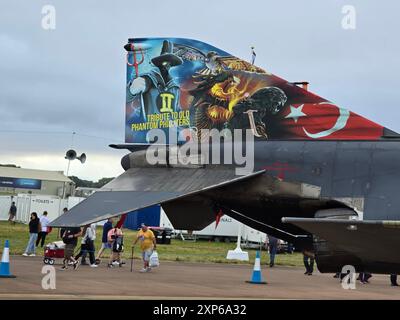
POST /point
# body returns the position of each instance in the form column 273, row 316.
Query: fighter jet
column 323, row 177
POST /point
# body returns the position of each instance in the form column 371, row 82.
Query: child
column 116, row 240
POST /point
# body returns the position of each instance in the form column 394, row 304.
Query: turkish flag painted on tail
column 327, row 121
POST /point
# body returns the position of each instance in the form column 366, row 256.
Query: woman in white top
column 87, row 245
column 44, row 221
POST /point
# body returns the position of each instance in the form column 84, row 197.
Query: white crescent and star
column 297, row 112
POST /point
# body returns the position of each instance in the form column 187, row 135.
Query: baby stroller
column 52, row 251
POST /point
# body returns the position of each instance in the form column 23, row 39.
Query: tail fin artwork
column 188, row 85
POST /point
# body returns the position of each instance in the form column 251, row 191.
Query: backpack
column 118, row 244
column 65, row 238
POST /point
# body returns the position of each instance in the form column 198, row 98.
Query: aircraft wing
column 369, row 240
column 138, row 188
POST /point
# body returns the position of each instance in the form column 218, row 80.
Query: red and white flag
column 327, row 121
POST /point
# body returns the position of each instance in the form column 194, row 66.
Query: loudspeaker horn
column 70, row 155
column 82, row 158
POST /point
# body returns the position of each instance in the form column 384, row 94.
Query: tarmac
column 178, row 280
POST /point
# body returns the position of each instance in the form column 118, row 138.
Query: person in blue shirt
column 104, row 241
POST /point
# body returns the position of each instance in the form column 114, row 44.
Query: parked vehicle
column 163, row 235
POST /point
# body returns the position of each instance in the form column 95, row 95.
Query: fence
column 27, row 203
column 5, row 203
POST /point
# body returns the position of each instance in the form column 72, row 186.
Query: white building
column 15, row 181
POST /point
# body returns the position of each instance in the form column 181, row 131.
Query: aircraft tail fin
column 184, row 86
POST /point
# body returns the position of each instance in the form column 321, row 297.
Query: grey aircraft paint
column 366, row 170
column 316, row 164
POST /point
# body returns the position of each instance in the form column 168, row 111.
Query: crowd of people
column 112, row 239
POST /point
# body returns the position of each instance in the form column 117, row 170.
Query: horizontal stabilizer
column 138, row 188
column 370, row 240
column 133, row 146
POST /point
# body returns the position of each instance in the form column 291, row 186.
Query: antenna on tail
column 253, row 55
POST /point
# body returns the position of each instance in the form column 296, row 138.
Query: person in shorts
column 70, row 238
column 104, row 240
column 147, row 245
column 115, row 238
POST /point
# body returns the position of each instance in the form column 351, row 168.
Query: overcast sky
column 54, row 82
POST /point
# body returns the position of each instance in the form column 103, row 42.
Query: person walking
column 104, row 239
column 115, row 238
column 87, row 245
column 70, row 238
column 12, row 213
column 147, row 245
column 34, row 227
column 272, row 248
column 44, row 221
column 308, row 260
column 363, row 277
column 393, row 280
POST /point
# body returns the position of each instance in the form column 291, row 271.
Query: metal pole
column 72, row 139
column 69, row 163
column 63, row 194
column 132, row 259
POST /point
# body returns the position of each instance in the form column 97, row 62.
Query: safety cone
column 256, row 278
column 5, row 262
